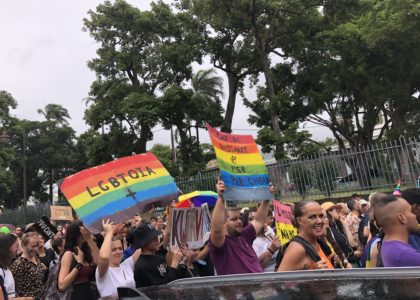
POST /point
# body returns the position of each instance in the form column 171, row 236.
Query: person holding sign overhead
column 111, row 273
column 230, row 243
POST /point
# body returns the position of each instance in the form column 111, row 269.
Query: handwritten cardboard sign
column 190, row 226
column 283, row 217
column 242, row 168
column 63, row 213
column 119, row 189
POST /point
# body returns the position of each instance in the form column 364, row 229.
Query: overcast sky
column 43, row 56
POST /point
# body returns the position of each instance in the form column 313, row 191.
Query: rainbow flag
column 242, row 168
column 397, row 190
column 119, row 189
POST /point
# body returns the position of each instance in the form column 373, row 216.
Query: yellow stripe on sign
column 285, row 232
column 242, row 159
column 85, row 197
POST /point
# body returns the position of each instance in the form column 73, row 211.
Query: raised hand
column 79, row 257
column 107, row 226
column 176, row 258
column 87, row 235
column 275, row 244
column 321, row 264
column 220, row 187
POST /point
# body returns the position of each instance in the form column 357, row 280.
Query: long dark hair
column 6, row 242
column 72, row 235
column 336, row 248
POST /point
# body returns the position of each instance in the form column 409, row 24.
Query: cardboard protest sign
column 44, row 227
column 283, row 217
column 63, row 213
column 242, row 168
column 119, row 189
column 190, row 226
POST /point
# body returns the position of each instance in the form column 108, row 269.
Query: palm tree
column 55, row 112
column 208, row 89
column 207, row 85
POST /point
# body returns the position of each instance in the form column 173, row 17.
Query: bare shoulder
column 296, row 248
column 294, row 258
column 67, row 257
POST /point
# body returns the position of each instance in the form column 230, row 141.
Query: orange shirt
column 324, row 257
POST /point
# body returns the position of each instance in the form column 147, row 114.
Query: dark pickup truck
column 381, row 283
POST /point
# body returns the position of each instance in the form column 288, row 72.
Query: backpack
column 379, row 261
column 51, row 290
column 309, row 250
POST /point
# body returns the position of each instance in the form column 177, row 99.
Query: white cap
column 244, row 209
column 363, row 202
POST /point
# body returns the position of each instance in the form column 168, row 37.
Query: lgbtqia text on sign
column 242, row 168
column 119, row 189
column 189, row 226
column 61, row 213
column 283, row 217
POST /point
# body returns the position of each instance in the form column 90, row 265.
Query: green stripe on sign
column 242, row 169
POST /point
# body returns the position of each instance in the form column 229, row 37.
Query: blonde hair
column 27, row 236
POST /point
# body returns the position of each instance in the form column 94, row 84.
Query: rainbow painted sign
column 242, row 168
column 119, row 189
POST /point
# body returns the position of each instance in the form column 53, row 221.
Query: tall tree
column 7, row 155
column 140, row 53
column 56, row 152
column 208, row 89
column 391, row 30
column 55, row 113
column 181, row 109
column 229, row 43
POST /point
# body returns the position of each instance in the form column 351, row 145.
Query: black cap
column 143, row 234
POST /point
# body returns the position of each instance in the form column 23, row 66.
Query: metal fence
column 16, row 216
column 327, row 175
column 335, row 174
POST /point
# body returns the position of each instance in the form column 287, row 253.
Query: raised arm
column 167, row 233
column 261, row 216
column 218, row 218
column 92, row 244
column 265, row 257
column 105, row 252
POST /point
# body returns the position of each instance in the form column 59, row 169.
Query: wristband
column 271, row 251
column 78, row 266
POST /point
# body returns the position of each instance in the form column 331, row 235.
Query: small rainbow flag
column 397, row 190
column 242, row 168
column 119, row 189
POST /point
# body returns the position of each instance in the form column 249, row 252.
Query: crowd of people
column 382, row 231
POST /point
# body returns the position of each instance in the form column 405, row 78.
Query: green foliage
column 165, row 156
column 186, row 109
column 7, row 102
column 46, row 148
column 228, row 41
column 140, row 53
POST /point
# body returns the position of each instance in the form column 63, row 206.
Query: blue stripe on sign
column 127, row 202
column 246, row 181
column 236, row 194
